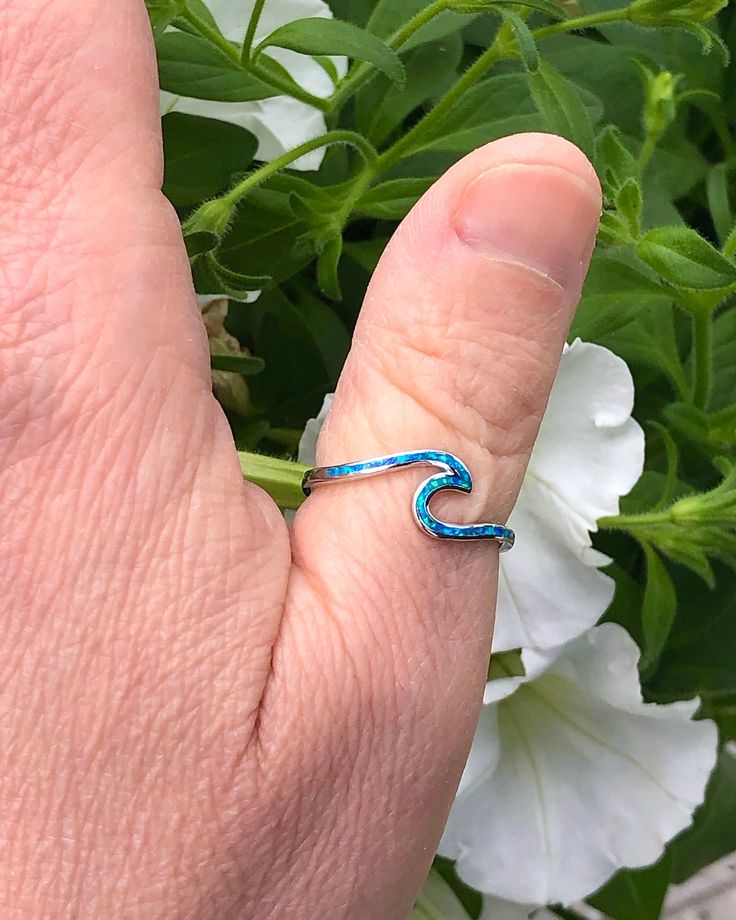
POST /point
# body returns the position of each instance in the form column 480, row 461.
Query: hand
column 201, row 714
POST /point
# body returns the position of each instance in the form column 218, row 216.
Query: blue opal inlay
column 455, row 476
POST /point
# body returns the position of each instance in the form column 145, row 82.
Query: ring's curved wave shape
column 455, row 476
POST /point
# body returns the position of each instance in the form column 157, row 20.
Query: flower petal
column 573, row 777
column 308, row 443
column 589, row 452
column 233, row 16
column 280, row 123
column 549, row 592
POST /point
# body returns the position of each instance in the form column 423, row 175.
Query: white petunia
column 589, row 452
column 308, row 442
column 573, row 776
column 280, row 123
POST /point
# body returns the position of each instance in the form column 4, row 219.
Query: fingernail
column 539, row 215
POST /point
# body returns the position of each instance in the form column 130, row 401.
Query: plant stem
column 361, row 72
column 647, row 149
column 729, row 247
column 231, row 52
column 289, row 88
column 724, row 416
column 259, row 176
column 282, row 479
column 255, row 18
column 632, row 521
column 581, row 22
column 413, row 139
column 702, row 357
column 212, row 35
column 501, row 47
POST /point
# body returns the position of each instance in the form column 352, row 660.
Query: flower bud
column 660, row 107
column 674, row 12
column 211, row 217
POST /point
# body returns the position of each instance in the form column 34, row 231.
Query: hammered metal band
column 455, row 476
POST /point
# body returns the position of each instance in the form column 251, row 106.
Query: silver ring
column 454, row 476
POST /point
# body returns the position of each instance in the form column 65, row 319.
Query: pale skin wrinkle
column 201, row 713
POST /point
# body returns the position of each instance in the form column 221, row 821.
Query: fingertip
column 539, row 149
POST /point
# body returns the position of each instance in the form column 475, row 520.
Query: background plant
column 647, row 90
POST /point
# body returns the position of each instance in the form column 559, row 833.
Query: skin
column 201, row 713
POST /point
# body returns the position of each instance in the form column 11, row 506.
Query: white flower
column 308, row 443
column 589, row 452
column 280, row 123
column 437, row 901
column 572, row 777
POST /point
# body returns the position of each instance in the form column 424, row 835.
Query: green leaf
column 394, row 199
column 650, row 341
column 698, row 659
column 245, row 365
column 304, row 345
column 493, row 108
column 506, row 664
column 314, row 198
column 357, row 11
column 163, row 12
column 688, row 420
column 686, row 260
column 381, row 106
column 200, row 241
column 615, row 292
column 658, row 611
column 548, row 7
column 189, row 65
column 332, row 36
column 717, row 187
column 724, row 359
column 528, row 50
column 628, row 200
column 437, row 901
column 389, row 15
column 713, row 832
column 202, row 12
column 671, row 487
column 228, row 385
column 212, row 277
column 606, row 70
column 468, row 897
column 266, row 236
column 618, row 164
column 201, row 156
column 560, row 104
column 635, row 894
column 328, row 263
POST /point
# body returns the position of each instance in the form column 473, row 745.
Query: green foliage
column 687, row 261
column 561, row 106
column 189, row 65
column 635, row 894
column 202, row 155
column 331, row 36
column 163, row 13
column 427, row 82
